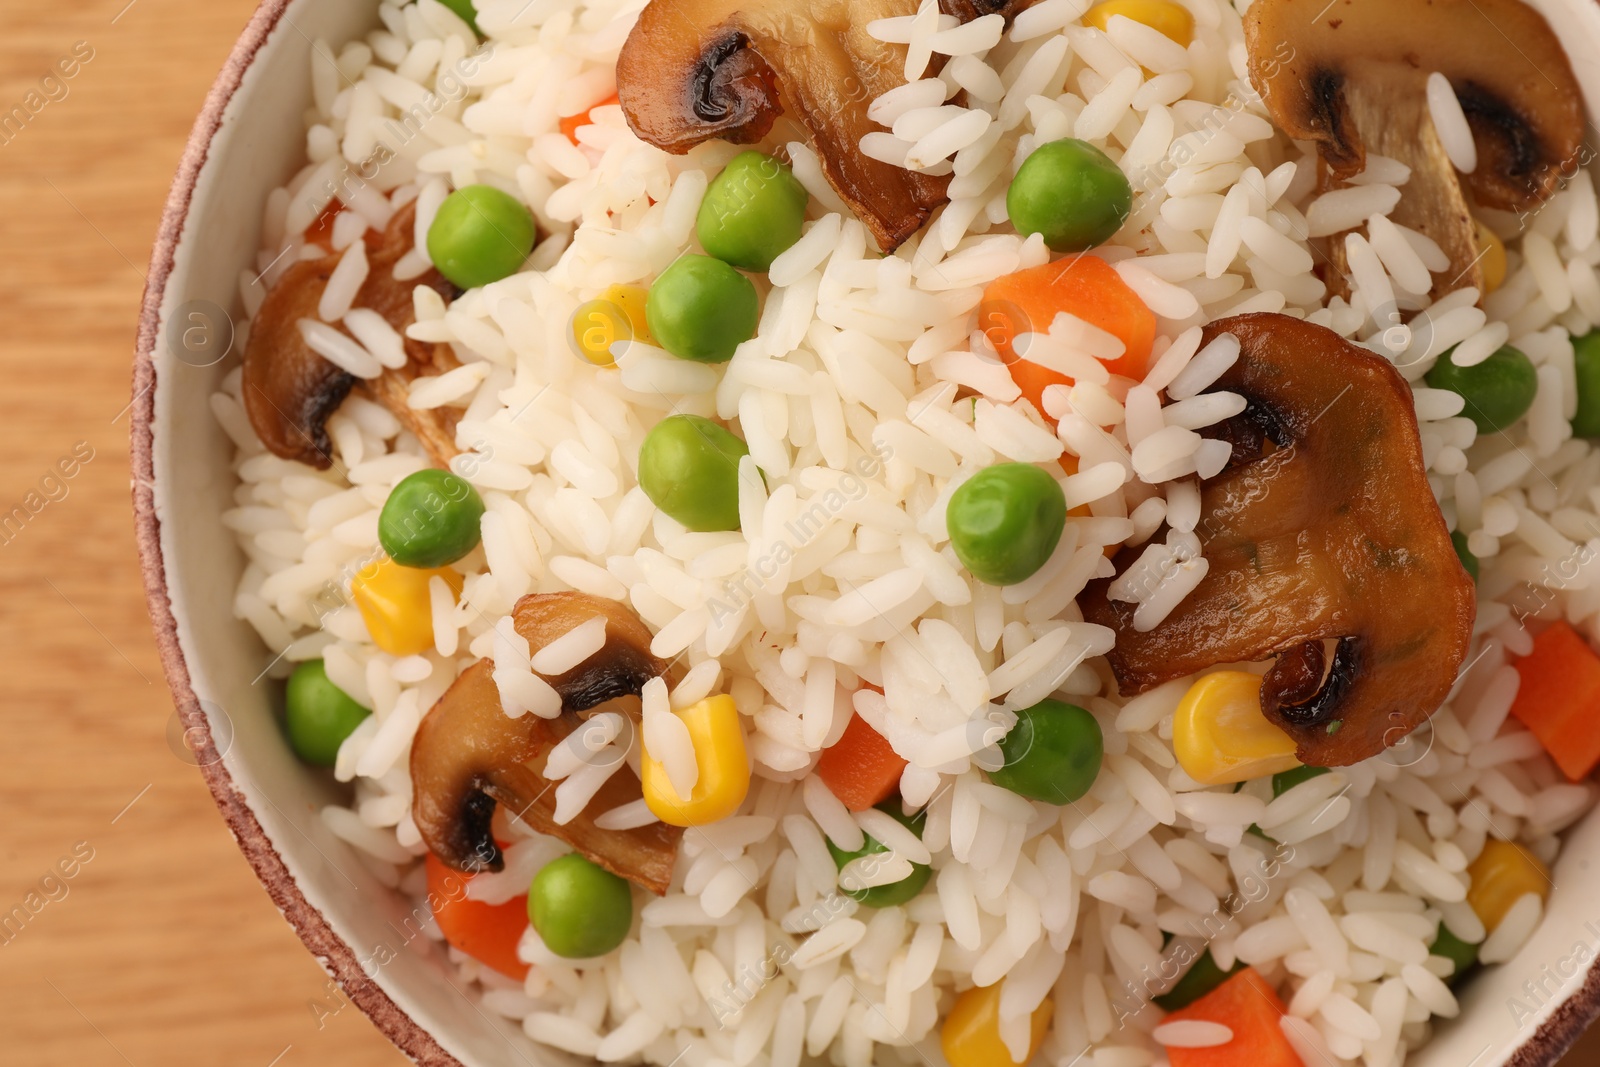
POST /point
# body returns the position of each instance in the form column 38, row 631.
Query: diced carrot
column 1083, row 285
column 487, row 932
column 1559, row 698
column 570, row 124
column 860, row 768
column 1249, row 1007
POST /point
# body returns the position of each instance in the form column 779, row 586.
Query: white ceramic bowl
column 249, row 139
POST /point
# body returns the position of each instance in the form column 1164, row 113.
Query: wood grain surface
column 163, row 951
column 160, row 949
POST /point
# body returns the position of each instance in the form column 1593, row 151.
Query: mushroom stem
column 1388, row 109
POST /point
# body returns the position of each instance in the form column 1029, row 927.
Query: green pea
column 1052, row 754
column 480, row 235
column 580, row 909
column 1072, row 193
column 1201, row 978
column 1457, row 951
column 1469, row 561
column 1005, row 521
column 1284, row 781
column 468, row 13
column 318, row 715
column 752, row 212
column 886, row 896
column 701, row 309
column 689, row 468
column 431, row 518
column 1498, row 391
column 1586, row 362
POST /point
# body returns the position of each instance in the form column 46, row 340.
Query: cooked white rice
column 842, row 569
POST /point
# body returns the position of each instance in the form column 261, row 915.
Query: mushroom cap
column 468, row 755
column 622, row 665
column 967, row 10
column 1506, row 65
column 1323, row 528
column 289, row 390
column 692, row 70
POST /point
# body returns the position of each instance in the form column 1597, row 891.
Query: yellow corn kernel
column 1163, row 16
column 971, row 1032
column 1501, row 875
column 1493, row 260
column 615, row 315
column 394, row 604
column 1221, row 736
column 719, row 751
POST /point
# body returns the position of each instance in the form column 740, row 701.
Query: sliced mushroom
column 468, row 755
column 1432, row 201
column 1352, row 77
column 967, row 10
column 1322, row 529
column 290, row 391
column 622, row 666
column 692, row 70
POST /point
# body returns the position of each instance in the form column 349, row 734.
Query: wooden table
column 161, row 949
column 164, row 950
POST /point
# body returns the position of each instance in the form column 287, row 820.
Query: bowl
column 249, row 139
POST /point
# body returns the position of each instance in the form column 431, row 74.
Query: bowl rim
column 335, row 954
column 1553, row 1037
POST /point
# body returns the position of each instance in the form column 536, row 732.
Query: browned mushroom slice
column 1322, row 529
column 623, row 665
column 692, row 70
column 435, row 427
column 1352, row 77
column 290, row 391
column 967, row 10
column 468, row 755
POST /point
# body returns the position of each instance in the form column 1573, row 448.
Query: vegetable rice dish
column 946, row 533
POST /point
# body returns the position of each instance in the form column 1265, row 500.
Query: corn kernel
column 1501, row 875
column 1163, row 16
column 394, row 603
column 971, row 1032
column 1493, row 259
column 719, row 751
column 616, row 315
column 1220, row 735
